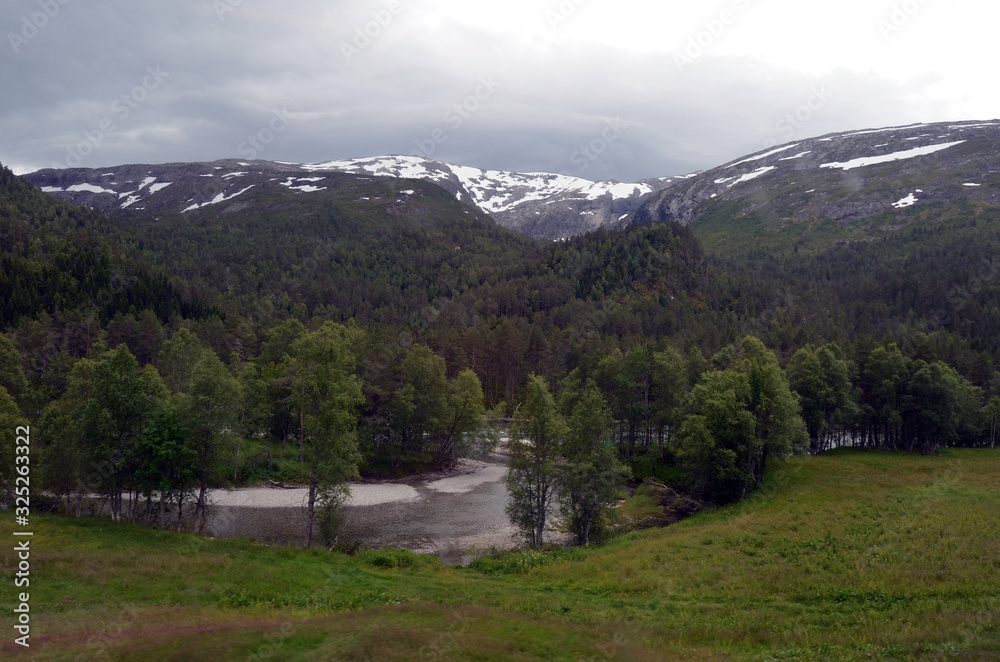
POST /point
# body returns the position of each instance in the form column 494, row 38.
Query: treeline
column 886, row 400
column 162, row 433
column 740, row 417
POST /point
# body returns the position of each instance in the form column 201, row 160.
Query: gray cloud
column 83, row 84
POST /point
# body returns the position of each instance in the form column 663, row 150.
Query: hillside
column 58, row 256
column 866, row 234
column 848, row 556
column 404, row 259
column 539, row 205
column 849, row 186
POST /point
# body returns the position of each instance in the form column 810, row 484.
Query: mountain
column 840, row 187
column 401, row 258
column 539, row 205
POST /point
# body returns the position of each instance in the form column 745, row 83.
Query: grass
column 847, row 556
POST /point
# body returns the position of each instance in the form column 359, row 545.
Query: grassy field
column 856, row 556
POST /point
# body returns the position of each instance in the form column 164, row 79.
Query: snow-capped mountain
column 540, row 205
column 844, row 177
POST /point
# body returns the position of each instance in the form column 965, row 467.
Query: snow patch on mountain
column 752, row 175
column 528, row 202
column 221, row 197
column 540, row 205
column 89, row 188
column 895, row 156
column 760, row 157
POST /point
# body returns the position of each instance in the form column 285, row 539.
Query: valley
column 802, row 344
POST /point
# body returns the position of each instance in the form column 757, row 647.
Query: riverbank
column 454, row 514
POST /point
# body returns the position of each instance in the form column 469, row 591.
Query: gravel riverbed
column 454, row 514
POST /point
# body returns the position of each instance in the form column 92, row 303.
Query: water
column 454, row 516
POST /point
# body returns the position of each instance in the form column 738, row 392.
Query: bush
column 396, row 558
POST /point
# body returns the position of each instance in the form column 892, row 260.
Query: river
column 454, row 515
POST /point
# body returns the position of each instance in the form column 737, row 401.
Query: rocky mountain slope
column 842, row 179
column 835, row 179
column 544, row 206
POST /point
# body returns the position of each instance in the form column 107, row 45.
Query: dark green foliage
column 209, row 408
column 534, row 453
column 449, row 315
column 169, row 460
column 123, row 398
column 11, row 376
column 823, row 379
column 10, row 422
column 589, row 473
column 57, row 256
column 329, row 395
column 741, row 418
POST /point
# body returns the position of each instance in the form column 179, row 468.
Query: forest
column 316, row 340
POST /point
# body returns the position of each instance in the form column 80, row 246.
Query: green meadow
column 846, row 556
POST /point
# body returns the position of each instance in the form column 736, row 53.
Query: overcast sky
column 602, row 89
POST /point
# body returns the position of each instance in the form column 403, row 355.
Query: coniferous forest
column 315, row 340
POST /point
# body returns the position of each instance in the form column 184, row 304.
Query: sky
column 599, row 89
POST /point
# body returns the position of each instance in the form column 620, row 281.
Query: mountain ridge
column 843, row 178
column 539, row 205
column 837, row 178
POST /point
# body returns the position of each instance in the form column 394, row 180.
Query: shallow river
column 453, row 515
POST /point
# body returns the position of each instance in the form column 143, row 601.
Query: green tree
column 420, row 409
column 589, row 474
column 940, row 408
column 123, row 397
column 274, row 364
column 177, row 359
column 330, row 395
column 993, row 416
column 670, row 386
column 717, row 436
column 884, row 381
column 209, row 410
column 740, row 419
column 11, row 376
column 776, row 410
column 532, row 470
column 463, row 420
column 10, row 420
column 822, row 379
column 63, row 461
column 170, row 468
column 254, row 406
